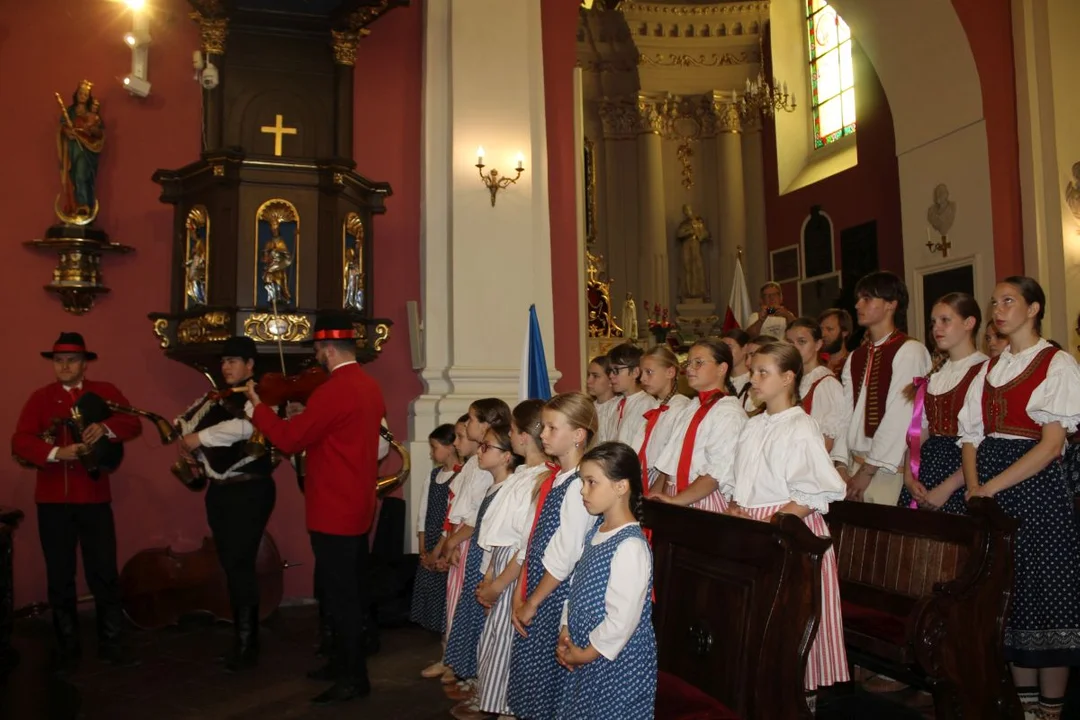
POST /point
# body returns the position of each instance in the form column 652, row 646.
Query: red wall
column 560, row 21
column 868, row 191
column 56, row 44
column 871, row 190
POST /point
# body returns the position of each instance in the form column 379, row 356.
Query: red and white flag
column 739, row 303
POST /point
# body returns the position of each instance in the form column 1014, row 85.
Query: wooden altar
column 273, row 223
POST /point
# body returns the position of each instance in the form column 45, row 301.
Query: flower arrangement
column 659, row 325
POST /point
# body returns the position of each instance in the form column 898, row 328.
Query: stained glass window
column 832, row 79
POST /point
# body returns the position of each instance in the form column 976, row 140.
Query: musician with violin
column 339, row 428
column 241, row 493
column 57, row 434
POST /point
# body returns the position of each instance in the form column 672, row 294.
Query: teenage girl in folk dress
column 462, row 643
column 625, row 374
column 820, row 392
column 993, row 341
column 781, row 465
column 429, row 588
column 1016, row 416
column 598, row 386
column 660, row 378
column 701, row 452
column 558, row 527
column 933, row 476
column 607, row 640
column 737, row 340
column 503, row 538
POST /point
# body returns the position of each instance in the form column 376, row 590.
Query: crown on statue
column 86, row 85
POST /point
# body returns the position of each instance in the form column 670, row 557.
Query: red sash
column 651, row 418
column 447, row 526
column 545, row 490
column 808, row 401
column 708, row 398
column 622, row 406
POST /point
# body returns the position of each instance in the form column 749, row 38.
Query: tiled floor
column 179, row 679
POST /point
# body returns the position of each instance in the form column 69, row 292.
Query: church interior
column 633, row 170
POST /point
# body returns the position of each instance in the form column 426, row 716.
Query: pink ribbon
column 914, row 432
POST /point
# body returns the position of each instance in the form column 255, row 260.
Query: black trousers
column 62, row 526
column 342, row 562
column 237, row 514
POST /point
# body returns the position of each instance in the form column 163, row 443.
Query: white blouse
column 887, row 448
column 631, row 567
column 949, row 376
column 632, row 422
column 662, row 430
column 1056, row 399
column 564, row 550
column 714, row 444
column 469, row 488
column 740, row 381
column 421, row 510
column 608, row 415
column 781, row 458
column 508, row 519
column 829, row 409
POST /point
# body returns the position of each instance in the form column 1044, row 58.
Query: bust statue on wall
column 942, row 213
column 691, row 233
column 1072, row 192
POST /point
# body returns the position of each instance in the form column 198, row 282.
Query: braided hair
column 619, row 462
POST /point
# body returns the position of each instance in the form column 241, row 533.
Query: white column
column 481, row 266
column 655, row 287
column 730, row 190
column 756, row 248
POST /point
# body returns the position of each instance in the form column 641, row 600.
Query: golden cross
column 277, row 130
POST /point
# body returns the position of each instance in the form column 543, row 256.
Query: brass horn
column 168, row 432
column 388, row 484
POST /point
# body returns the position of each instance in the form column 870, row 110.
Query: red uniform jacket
column 340, row 430
column 66, row 482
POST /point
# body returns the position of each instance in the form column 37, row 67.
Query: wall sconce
column 138, row 39
column 492, row 181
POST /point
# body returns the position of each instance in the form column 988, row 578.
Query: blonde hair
column 668, row 360
column 580, row 412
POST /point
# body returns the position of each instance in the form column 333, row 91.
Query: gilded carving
column 277, row 240
column 699, row 10
column 686, row 60
column 345, row 43
column 161, row 331
column 352, row 263
column 212, row 327
column 727, row 116
column 213, row 32
column 590, row 191
column 196, row 256
column 267, row 327
column 382, row 334
column 219, row 170
column 619, row 119
column 651, row 115
column 366, row 15
column 684, row 153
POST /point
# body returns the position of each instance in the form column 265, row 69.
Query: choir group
column 534, row 565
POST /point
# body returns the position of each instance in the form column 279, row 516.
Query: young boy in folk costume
column 625, row 374
column 874, row 380
column 72, row 506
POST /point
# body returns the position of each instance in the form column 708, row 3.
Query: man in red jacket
column 73, row 507
column 339, row 428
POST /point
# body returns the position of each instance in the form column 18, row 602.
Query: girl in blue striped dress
column 429, row 588
column 559, row 523
column 607, row 641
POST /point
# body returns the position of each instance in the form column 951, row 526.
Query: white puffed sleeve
column 631, row 567
column 1057, row 399
column 830, row 410
column 717, row 437
column 564, row 550
column 970, row 418
column 811, row 478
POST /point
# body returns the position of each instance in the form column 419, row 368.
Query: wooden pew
column 924, row 597
column 737, row 606
column 9, row 521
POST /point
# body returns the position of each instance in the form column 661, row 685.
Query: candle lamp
column 492, row 180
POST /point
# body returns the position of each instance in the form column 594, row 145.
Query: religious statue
column 354, row 281
column 942, row 213
column 629, row 318
column 80, row 139
column 598, row 295
column 1072, row 192
column 195, row 274
column 691, row 234
column 276, row 262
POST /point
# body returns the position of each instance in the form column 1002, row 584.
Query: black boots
column 326, row 633
column 245, row 650
column 68, row 647
column 110, row 628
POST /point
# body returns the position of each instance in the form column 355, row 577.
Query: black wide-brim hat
column 240, row 346
column 70, row 342
column 332, row 326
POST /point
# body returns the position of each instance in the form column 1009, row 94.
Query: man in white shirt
column 773, row 318
column 874, row 378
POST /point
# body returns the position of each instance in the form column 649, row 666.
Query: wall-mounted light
column 138, row 39
column 492, row 181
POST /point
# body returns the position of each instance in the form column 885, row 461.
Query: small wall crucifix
column 277, row 130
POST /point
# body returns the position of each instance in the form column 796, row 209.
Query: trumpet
column 386, row 485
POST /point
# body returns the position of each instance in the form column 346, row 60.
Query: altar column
column 481, row 265
column 756, row 244
column 653, row 243
column 731, row 196
column 212, row 33
column 345, row 43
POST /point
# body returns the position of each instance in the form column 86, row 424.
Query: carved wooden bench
column 924, row 596
column 737, row 606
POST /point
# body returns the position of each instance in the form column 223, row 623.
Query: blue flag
column 535, row 383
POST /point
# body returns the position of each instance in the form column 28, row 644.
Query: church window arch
column 832, row 75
